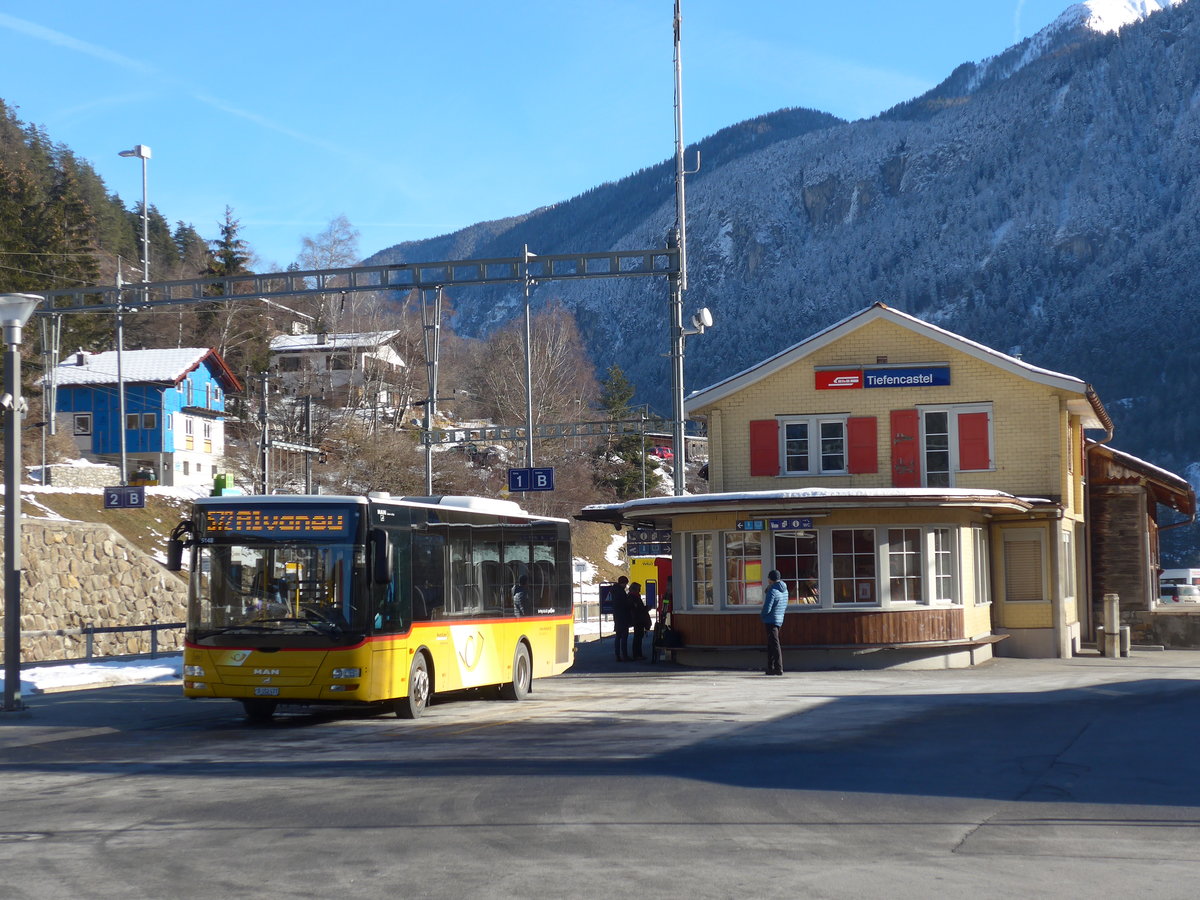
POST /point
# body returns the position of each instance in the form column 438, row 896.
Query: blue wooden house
column 175, row 404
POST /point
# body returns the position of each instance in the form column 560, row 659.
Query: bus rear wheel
column 414, row 704
column 259, row 710
column 522, row 671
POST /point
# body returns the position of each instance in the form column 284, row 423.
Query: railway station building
column 926, row 498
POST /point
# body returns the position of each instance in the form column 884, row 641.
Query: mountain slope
column 1051, row 212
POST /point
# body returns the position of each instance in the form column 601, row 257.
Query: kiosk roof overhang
column 807, row 500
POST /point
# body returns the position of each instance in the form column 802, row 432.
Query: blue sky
column 416, row 119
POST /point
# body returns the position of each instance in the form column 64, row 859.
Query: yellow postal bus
column 371, row 600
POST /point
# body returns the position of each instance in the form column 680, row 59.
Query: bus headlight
column 194, row 671
column 347, row 673
column 195, row 685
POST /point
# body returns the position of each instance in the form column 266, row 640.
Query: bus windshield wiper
column 323, row 626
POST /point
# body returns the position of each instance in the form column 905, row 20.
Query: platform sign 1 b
column 125, row 497
column 531, row 479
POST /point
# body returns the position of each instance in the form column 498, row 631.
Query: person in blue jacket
column 775, row 601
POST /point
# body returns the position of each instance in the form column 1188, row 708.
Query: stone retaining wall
column 78, row 574
column 81, row 476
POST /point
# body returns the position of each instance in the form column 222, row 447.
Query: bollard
column 1112, row 626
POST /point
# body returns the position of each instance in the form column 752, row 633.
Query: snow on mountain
column 1107, row 16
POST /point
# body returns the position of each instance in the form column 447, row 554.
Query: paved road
column 1021, row 778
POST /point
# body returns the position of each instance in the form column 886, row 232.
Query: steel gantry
column 526, row 270
column 389, row 277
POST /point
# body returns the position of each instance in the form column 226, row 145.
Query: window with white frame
column 149, row 421
column 82, row 423
column 983, row 568
column 814, row 445
column 797, row 557
column 702, row 570
column 743, row 568
column 133, row 421
column 854, row 559
column 904, row 565
column 955, row 439
column 941, row 550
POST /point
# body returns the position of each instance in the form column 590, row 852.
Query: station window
column 82, row 423
column 702, row 570
column 955, row 439
column 797, row 558
column 743, row 568
column 814, row 446
column 854, row 565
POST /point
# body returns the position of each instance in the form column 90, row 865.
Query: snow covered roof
column 293, row 343
column 707, row 396
column 797, row 499
column 140, row 366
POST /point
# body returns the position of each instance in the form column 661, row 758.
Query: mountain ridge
column 1049, row 213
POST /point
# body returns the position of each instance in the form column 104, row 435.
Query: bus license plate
column 266, row 692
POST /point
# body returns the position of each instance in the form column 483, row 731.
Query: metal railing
column 89, row 632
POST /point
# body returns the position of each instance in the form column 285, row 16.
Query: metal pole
column 18, row 308
column 525, row 255
column 12, row 528
column 145, row 222
column 120, row 376
column 679, row 281
column 265, row 446
column 432, row 321
column 308, row 479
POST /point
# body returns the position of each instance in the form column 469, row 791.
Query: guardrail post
column 87, row 641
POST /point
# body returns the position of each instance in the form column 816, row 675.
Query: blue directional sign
column 803, row 524
column 125, row 497
column 531, row 479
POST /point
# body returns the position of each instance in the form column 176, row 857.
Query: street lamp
column 142, row 152
column 15, row 310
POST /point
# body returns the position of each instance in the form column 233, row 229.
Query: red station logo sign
column 839, row 380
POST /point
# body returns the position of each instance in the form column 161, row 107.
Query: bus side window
column 428, row 575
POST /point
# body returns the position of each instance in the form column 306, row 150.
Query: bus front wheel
column 414, row 704
column 522, row 672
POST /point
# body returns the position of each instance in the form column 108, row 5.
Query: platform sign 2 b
column 125, row 497
column 531, row 479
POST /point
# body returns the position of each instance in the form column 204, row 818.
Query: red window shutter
column 863, row 442
column 906, row 448
column 974, row 452
column 764, row 447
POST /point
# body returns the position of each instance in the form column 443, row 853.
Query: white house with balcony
column 348, row 368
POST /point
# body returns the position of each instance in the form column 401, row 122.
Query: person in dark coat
column 621, row 618
column 775, row 601
column 639, row 616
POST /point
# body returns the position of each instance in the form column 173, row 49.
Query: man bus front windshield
column 253, row 580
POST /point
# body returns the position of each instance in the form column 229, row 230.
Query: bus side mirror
column 381, row 556
column 176, row 544
column 174, row 555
